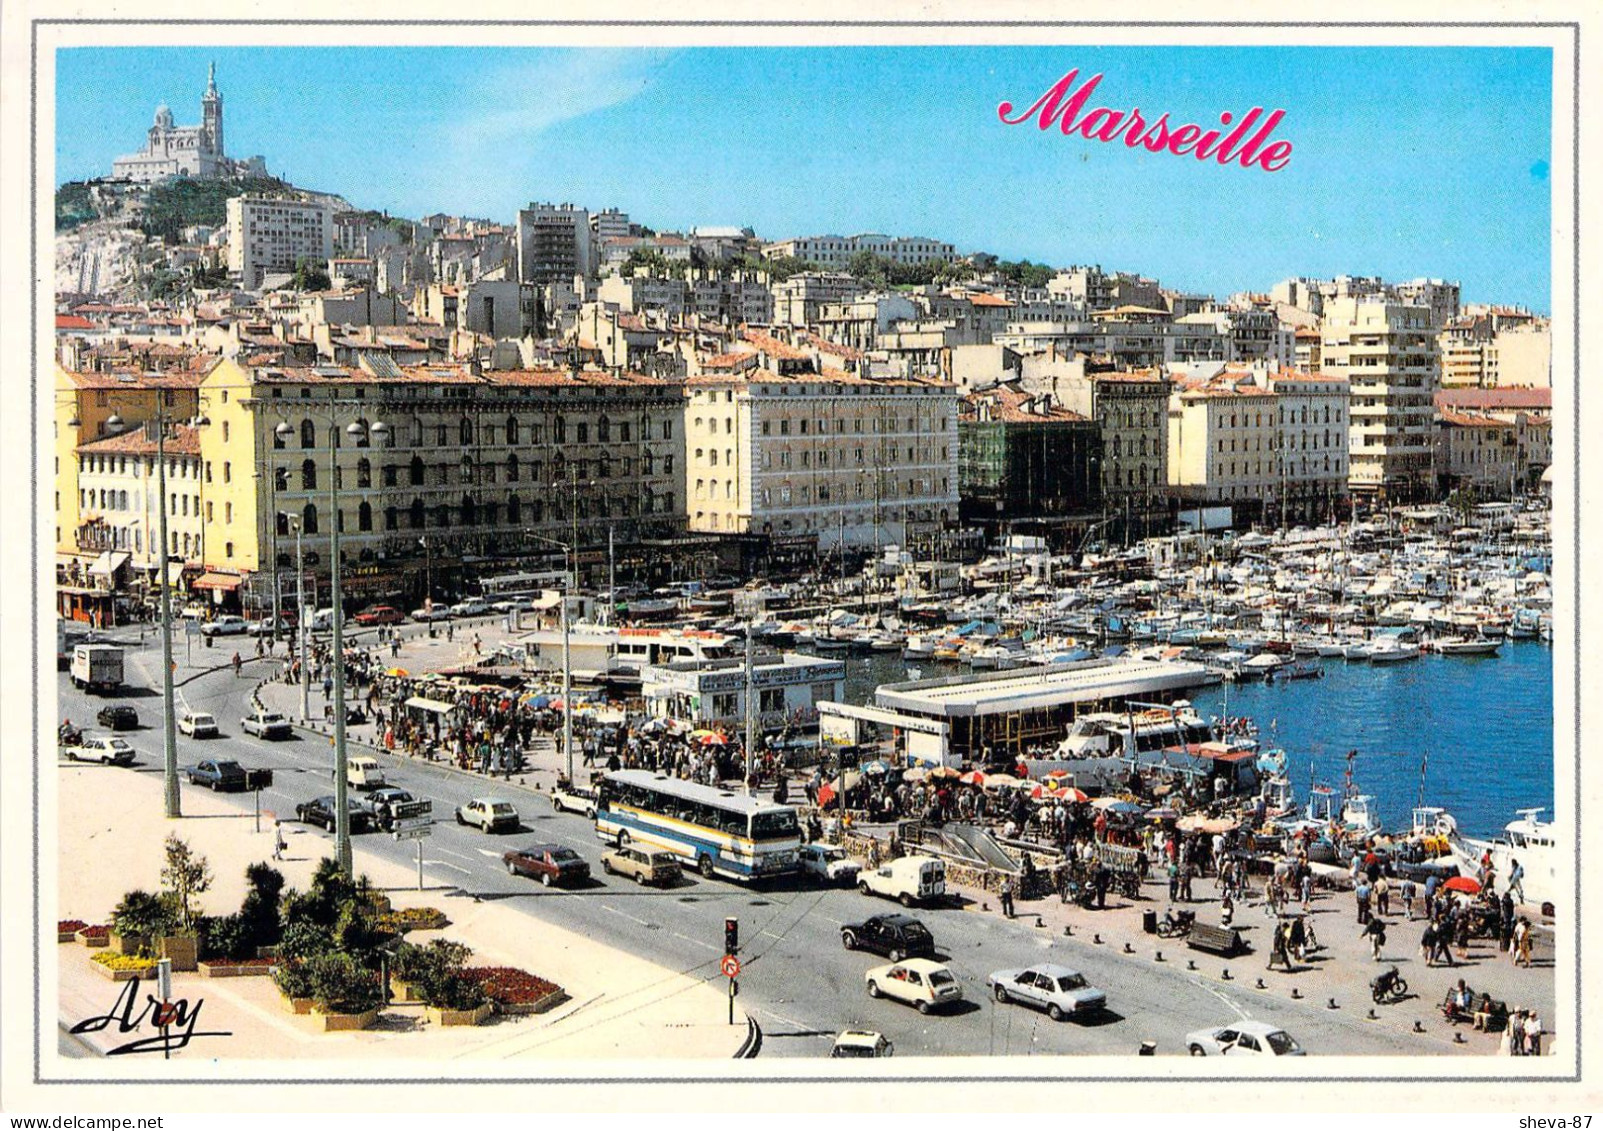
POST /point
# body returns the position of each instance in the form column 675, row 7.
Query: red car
column 378, row 614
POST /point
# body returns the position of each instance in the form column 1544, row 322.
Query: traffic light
column 731, row 936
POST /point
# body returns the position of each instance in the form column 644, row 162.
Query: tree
column 866, row 267
column 644, row 261
column 782, row 268
column 185, row 876
column 310, row 275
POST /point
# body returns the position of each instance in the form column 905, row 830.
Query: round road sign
column 730, row 965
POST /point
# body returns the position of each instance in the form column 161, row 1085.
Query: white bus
column 713, row 830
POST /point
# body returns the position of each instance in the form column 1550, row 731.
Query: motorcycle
column 1082, row 895
column 1388, row 987
column 1176, row 924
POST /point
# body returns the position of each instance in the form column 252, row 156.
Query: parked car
column 491, row 814
column 861, row 1043
column 828, row 863
column 472, row 607
column 362, row 771
column 642, row 865
column 437, row 612
column 267, row 626
column 226, row 625
column 378, row 614
column 119, row 717
column 909, row 880
column 217, row 774
column 320, row 811
column 548, row 863
column 895, row 936
column 266, row 724
column 1057, row 989
column 918, row 982
column 197, row 724
column 107, row 751
column 1244, row 1038
column 380, row 805
column 569, row 798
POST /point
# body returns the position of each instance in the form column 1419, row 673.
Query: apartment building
column 836, row 251
column 1223, row 441
column 1497, row 457
column 271, row 235
column 779, row 445
column 554, row 244
column 1388, row 353
column 1312, row 445
column 799, row 299
column 1025, row 462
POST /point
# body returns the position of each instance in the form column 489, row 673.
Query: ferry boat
column 1108, row 732
column 1528, row 839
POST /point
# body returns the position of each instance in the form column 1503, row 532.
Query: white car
column 438, row 612
column 225, row 626
column 106, row 751
column 1244, row 1038
column 829, row 863
column 472, row 607
column 855, row 1044
column 919, row 982
column 490, row 814
column 266, row 724
column 1057, row 989
column 197, row 724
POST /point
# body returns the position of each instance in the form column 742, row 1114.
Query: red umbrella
column 1466, row 884
column 973, row 777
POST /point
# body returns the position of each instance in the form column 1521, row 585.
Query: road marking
column 772, row 935
column 453, row 867
column 1220, row 994
column 458, row 855
column 694, row 942
column 625, row 915
column 789, row 1021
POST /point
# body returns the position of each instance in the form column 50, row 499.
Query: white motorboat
column 1531, row 841
column 1468, row 647
column 1390, row 650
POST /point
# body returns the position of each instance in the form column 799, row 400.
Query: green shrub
column 143, row 914
column 226, row 936
column 454, row 989
column 304, row 941
column 259, row 911
column 340, row 984
column 293, row 979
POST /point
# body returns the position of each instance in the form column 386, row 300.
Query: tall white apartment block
column 267, row 234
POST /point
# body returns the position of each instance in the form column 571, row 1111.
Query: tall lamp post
column 302, row 619
column 170, row 796
column 356, row 430
column 567, row 663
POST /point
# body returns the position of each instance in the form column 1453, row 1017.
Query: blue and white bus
column 716, row 831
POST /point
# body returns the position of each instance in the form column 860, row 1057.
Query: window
column 465, row 431
column 582, row 432
column 415, row 514
column 308, row 475
column 364, row 473
column 309, row 519
column 364, row 516
column 308, row 434
column 228, row 511
column 440, row 435
column 513, row 431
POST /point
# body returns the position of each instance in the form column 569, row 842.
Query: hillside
column 176, row 205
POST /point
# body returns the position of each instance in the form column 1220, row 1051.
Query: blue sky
column 1407, row 161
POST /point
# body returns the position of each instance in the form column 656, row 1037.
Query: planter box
column 267, row 952
column 344, row 1022
column 297, row 1005
column 92, row 940
column 181, row 950
column 404, row 991
column 125, row 975
column 459, row 1016
column 526, row 1009
column 234, row 970
column 129, row 944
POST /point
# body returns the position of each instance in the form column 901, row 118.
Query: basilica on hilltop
column 187, row 151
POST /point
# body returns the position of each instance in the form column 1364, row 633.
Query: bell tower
column 211, row 114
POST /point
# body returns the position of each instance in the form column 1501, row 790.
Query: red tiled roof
column 1515, row 397
column 1008, row 406
column 184, row 441
column 73, row 322
column 980, row 298
column 1472, row 420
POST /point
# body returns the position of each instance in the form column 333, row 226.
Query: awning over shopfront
column 108, row 563
column 423, row 704
column 225, row 581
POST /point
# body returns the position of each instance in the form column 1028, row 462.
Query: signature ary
column 177, row 1020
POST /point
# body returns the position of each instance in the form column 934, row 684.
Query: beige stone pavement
column 620, row 1006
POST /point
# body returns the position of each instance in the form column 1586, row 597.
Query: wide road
column 798, row 981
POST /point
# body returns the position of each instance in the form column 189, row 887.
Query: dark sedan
column 219, row 775
column 320, row 811
column 548, row 863
column 895, row 936
column 118, row 717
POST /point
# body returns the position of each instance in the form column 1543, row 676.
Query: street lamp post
column 342, row 816
column 567, row 662
column 302, row 627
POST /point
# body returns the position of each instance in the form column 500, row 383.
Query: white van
column 910, row 880
column 362, row 772
column 323, row 620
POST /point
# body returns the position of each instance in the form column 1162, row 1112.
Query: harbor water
column 1482, row 728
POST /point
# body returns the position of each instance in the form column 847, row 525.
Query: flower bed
column 413, row 919
column 67, row 929
column 94, row 936
column 238, row 967
column 514, row 992
column 123, row 967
